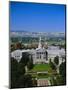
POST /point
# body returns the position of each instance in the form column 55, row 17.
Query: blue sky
column 37, row 17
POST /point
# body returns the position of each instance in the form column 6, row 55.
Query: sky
column 36, row 17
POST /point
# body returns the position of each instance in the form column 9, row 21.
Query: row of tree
column 60, row 78
column 55, row 63
column 18, row 76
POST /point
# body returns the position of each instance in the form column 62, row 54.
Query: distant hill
column 36, row 34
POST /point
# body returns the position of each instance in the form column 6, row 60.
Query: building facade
column 40, row 54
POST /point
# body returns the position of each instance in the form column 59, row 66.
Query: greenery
column 52, row 65
column 43, row 76
column 18, row 76
column 41, row 67
column 25, row 58
column 32, row 42
column 25, row 81
column 62, row 70
column 56, row 60
column 59, row 79
column 30, row 64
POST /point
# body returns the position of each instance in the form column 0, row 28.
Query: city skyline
column 36, row 17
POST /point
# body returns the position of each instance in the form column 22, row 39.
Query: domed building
column 40, row 54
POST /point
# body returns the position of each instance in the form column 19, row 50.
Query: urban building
column 40, row 54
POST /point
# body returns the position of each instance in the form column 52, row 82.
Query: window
column 37, row 57
column 44, row 57
column 40, row 56
column 42, row 52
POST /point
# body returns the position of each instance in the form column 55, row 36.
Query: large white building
column 40, row 54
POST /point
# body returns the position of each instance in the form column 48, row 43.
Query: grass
column 41, row 67
column 42, row 76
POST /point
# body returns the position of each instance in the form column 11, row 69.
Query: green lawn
column 42, row 67
column 43, row 76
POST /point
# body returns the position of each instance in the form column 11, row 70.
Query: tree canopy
column 18, row 76
column 62, row 70
column 52, row 65
column 56, row 60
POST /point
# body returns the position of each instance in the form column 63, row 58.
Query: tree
column 25, row 58
column 17, row 70
column 20, row 70
column 62, row 71
column 46, row 55
column 14, row 64
column 25, row 81
column 30, row 63
column 13, row 73
column 54, row 81
column 52, row 65
column 59, row 80
column 18, row 75
column 18, row 45
column 56, row 60
column 12, row 47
